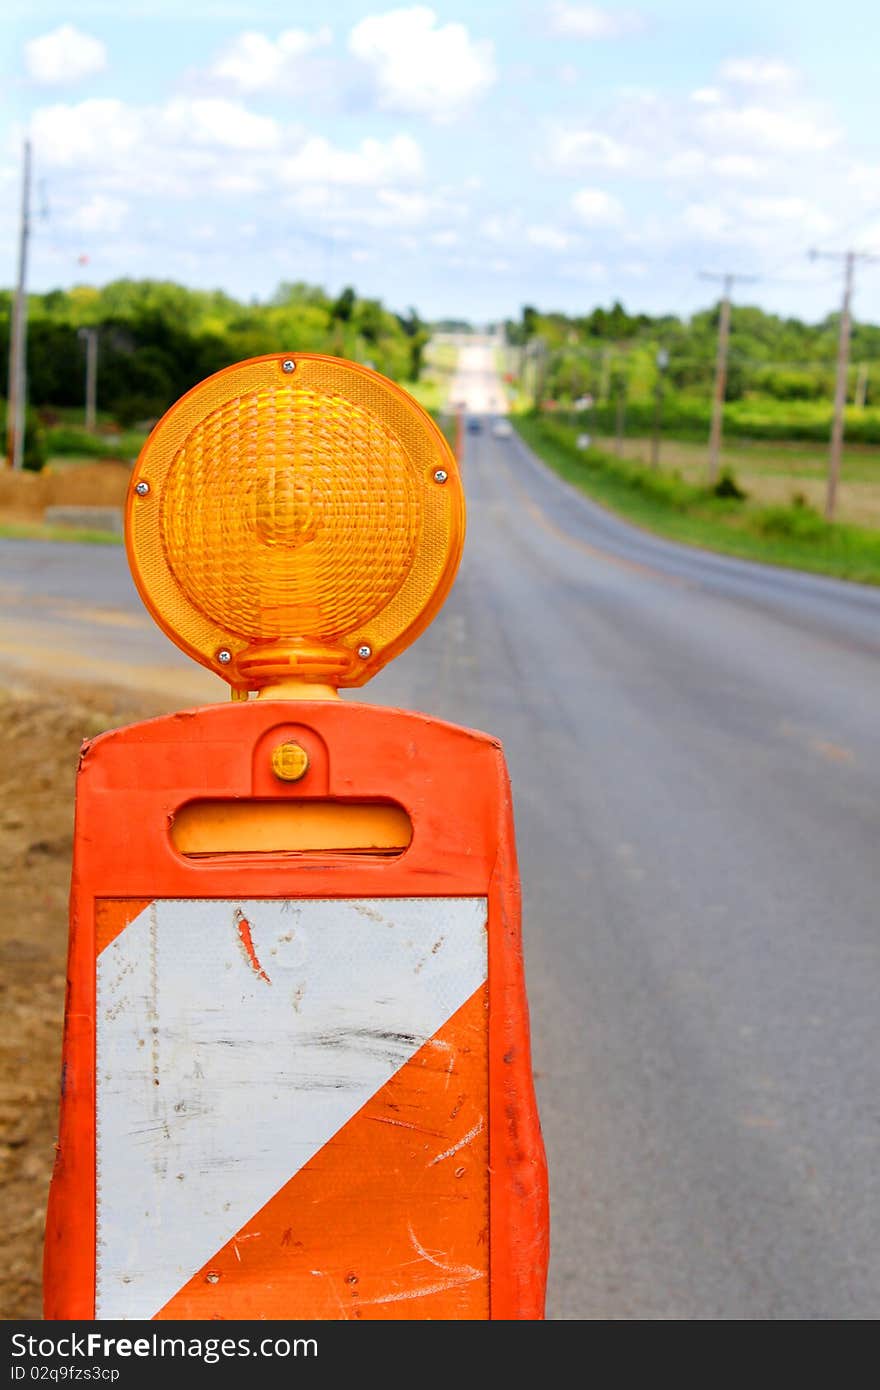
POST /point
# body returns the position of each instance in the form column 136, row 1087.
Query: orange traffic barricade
column 296, row 1073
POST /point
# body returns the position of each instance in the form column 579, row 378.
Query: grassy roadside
column 772, row 473
column 38, row 531
column 793, row 535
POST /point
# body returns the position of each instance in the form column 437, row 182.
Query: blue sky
column 462, row 158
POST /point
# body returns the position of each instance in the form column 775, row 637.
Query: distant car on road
column 502, row 429
column 474, row 425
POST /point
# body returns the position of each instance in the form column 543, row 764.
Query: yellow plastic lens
column 307, row 523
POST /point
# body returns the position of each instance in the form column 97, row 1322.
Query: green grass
column 772, row 473
column 794, row 536
column 38, row 531
column 441, row 357
column 78, row 444
column 428, row 391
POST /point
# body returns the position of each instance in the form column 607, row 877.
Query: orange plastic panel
column 490, row 1255
column 423, row 1253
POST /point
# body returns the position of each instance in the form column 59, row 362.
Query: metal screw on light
column 142, row 489
column 288, row 365
column 364, row 652
column 224, row 656
column 440, row 475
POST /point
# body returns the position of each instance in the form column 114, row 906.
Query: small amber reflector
column 295, row 521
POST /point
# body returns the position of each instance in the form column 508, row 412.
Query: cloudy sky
column 463, row 156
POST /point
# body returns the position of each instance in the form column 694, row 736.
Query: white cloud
column 865, row 178
column 869, row 237
column 787, row 210
column 588, row 149
column 757, row 222
column 193, row 148
column 706, row 96
column 99, row 215
column 690, row 163
column 794, row 131
column 757, row 72
column 596, row 208
column 706, row 220
column 446, row 237
column 422, row 67
column 548, row 238
column 592, row 271
column 740, row 166
column 592, row 22
column 64, row 56
column 254, row 63
column 316, row 198
column 91, row 133
column 224, row 124
column 237, row 182
column 374, row 162
column 400, row 209
column 497, row 228
column 685, row 164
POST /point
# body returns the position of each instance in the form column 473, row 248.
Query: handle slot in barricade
column 205, row 829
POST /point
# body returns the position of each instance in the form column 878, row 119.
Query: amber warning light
column 295, row 522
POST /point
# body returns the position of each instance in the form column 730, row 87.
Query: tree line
column 609, row 351
column 156, row 339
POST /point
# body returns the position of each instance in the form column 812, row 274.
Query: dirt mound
column 40, row 738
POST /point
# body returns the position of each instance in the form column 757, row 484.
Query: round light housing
column 300, row 512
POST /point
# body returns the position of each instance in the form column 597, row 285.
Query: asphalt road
column 695, row 754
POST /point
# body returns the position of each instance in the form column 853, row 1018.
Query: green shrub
column 727, row 486
column 797, row 522
column 67, row 439
column 35, row 452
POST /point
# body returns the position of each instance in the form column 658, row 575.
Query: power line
column 792, row 256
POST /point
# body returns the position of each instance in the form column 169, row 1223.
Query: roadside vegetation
column 640, row 389
column 771, row 472
column 39, row 531
column 157, row 339
column 437, row 367
column 723, row 517
column 780, row 375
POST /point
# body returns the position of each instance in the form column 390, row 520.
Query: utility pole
column 728, row 279
column 620, row 418
column 539, row 348
column 662, row 362
column 835, row 455
column 90, row 335
column 16, row 401
column 605, row 378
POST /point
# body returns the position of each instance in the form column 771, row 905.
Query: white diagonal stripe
column 216, row 1085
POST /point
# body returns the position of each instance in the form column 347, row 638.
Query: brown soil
column 40, row 737
column 24, row 496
